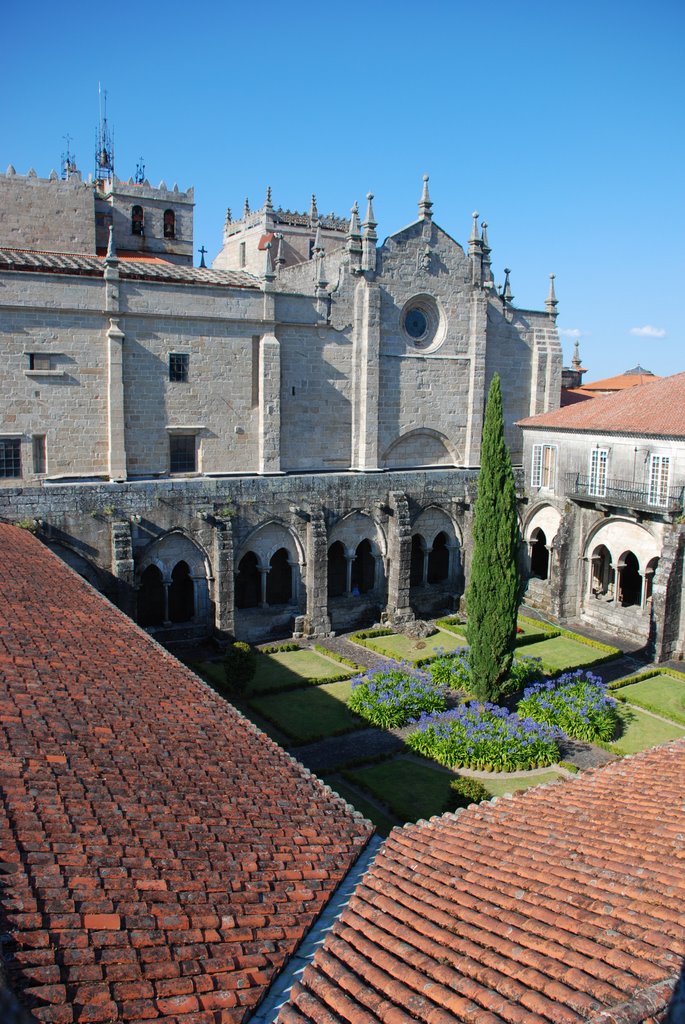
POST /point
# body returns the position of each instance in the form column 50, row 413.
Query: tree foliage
column 494, row 588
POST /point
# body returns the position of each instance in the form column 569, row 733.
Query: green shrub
column 239, row 666
column 569, row 766
column 391, row 697
column 576, row 702
column 464, row 792
column 341, row 659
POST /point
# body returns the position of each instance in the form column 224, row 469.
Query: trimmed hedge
column 334, row 656
column 465, row 791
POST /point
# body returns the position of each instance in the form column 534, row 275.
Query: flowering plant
column 454, row 670
column 391, row 697
column 577, row 702
column 485, row 737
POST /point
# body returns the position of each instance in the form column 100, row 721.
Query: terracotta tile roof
column 162, row 857
column 563, row 904
column 140, row 269
column 655, row 409
column 619, row 382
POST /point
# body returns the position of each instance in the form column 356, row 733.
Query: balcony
column 625, row 494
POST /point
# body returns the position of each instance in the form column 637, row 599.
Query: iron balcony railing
column 626, row 494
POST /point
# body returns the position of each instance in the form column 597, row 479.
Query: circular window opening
column 416, row 323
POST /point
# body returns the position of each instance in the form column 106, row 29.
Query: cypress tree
column 493, row 593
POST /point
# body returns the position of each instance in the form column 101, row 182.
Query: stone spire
column 268, row 205
column 551, row 302
column 269, row 272
column 370, row 237
column 354, row 240
column 425, row 203
column 575, row 362
column 476, row 252
column 506, row 291
column 313, row 212
column 111, row 255
column 280, row 254
column 486, row 250
column 246, row 208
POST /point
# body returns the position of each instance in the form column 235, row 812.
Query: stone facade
column 603, row 532
column 150, row 410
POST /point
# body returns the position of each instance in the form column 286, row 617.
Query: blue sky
column 562, row 124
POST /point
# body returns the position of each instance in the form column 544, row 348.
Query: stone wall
column 47, row 213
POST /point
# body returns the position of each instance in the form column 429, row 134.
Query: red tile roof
column 162, row 856
column 655, row 409
column 563, row 904
column 618, row 383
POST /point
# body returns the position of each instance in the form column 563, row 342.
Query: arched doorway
column 247, row 584
column 181, row 594
column 439, row 560
column 629, row 580
column 337, row 570
column 418, row 546
column 151, row 597
column 363, row 568
column 539, row 555
column 279, row 581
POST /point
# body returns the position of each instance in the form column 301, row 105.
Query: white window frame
column 659, row 480
column 544, row 466
column 599, row 462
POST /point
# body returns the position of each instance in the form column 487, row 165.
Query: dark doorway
column 337, row 570
column 181, row 594
column 630, row 581
column 151, row 598
column 279, row 581
column 439, row 560
column 247, row 584
column 363, row 568
column 539, row 555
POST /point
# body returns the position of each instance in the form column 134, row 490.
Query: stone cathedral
column 286, row 443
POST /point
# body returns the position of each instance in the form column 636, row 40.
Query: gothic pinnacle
column 267, row 202
column 425, row 203
column 111, row 255
column 369, row 222
column 551, row 302
column 506, row 294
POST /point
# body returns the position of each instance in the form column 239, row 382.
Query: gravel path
column 355, row 652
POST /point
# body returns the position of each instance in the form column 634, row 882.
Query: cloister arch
column 173, row 583
column 357, row 549
column 269, row 566
column 422, row 446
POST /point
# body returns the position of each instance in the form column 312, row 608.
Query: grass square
column 405, row 648
column 661, row 693
column 309, row 713
column 560, row 653
column 413, row 790
column 639, row 730
column 282, row 670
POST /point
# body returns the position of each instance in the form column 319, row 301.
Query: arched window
column 247, row 586
column 337, row 570
column 169, row 224
column 539, row 555
column 439, row 560
column 650, row 569
column 151, row 598
column 629, row 580
column 602, row 580
column 137, row 220
column 279, row 581
column 416, row 567
column 363, row 568
column 181, row 594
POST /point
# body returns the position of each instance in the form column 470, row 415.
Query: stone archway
column 436, row 574
column 173, row 578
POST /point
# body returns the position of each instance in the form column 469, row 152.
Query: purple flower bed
column 577, row 702
column 392, row 697
column 485, row 737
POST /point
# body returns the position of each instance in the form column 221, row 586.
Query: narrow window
column 137, row 220
column 182, row 456
column 242, row 254
column 39, row 361
column 39, row 454
column 10, row 457
column 598, row 472
column 659, row 473
column 178, row 367
column 544, row 467
column 169, row 224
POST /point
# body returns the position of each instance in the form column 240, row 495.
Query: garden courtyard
column 386, row 720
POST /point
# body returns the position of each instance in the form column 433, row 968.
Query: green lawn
column 560, row 653
column 638, row 730
column 412, row 790
column 661, row 693
column 309, row 713
column 282, row 670
column 383, row 822
column 404, row 648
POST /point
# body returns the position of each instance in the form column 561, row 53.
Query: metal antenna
column 68, row 161
column 104, row 149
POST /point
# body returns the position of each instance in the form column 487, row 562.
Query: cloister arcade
column 173, row 583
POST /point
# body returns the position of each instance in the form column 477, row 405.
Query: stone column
column 398, row 609
column 365, row 376
column 115, row 401
column 476, row 400
column 317, row 621
column 269, row 405
column 224, row 584
column 263, row 573
column 424, row 570
column 123, row 567
column 349, row 559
